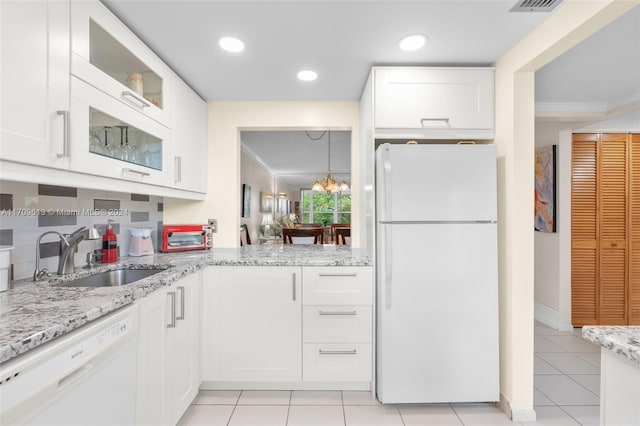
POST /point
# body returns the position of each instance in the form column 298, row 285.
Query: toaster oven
column 186, row 237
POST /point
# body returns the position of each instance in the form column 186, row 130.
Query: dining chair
column 341, row 234
column 295, row 235
column 245, row 238
column 334, row 226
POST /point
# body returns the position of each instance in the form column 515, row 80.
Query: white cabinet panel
column 338, row 285
column 443, row 102
column 261, row 324
column 339, row 362
column 84, row 98
column 107, row 54
column 169, row 352
column 34, row 82
column 189, row 138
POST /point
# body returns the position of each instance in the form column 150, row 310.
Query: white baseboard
column 549, row 317
column 516, row 415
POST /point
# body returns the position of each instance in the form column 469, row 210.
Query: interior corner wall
column 571, row 23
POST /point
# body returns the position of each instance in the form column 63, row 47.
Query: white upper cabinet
column 34, row 82
column 189, row 138
column 111, row 141
column 106, row 54
column 434, row 103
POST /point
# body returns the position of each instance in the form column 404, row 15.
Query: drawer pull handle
column 328, row 352
column 334, row 274
column 135, row 100
column 65, row 134
column 172, row 295
column 134, row 171
column 181, row 290
column 429, row 122
column 293, row 285
column 354, row 312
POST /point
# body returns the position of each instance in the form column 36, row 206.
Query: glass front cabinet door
column 111, row 141
column 107, row 55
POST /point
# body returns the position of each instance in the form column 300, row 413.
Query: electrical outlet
column 214, row 223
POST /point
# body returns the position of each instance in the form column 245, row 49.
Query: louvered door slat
column 584, row 261
column 612, row 191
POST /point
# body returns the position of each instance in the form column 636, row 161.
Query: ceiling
column 339, row 39
column 342, row 39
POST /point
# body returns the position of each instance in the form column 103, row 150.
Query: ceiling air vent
column 535, row 5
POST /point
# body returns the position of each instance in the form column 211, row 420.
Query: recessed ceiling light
column 307, row 75
column 231, row 44
column 412, row 42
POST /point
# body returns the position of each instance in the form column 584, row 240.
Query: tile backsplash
column 27, row 210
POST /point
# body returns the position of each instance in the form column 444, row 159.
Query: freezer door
column 437, row 313
column 436, row 183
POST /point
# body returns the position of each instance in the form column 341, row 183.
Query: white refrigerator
column 436, row 273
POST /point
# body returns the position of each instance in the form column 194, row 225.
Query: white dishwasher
column 87, row 377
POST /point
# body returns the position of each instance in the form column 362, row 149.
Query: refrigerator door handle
column 388, row 266
column 387, row 186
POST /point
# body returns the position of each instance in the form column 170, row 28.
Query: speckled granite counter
column 624, row 340
column 32, row 314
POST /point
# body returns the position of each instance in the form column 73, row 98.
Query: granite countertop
column 624, row 340
column 32, row 314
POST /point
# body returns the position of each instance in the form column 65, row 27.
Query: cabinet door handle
column 172, row 295
column 138, row 172
column 330, row 352
column 337, row 274
column 135, row 100
column 293, row 285
column 354, row 312
column 178, row 165
column 65, row 134
column 181, row 290
column 444, row 121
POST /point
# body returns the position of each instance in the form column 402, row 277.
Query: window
column 319, row 207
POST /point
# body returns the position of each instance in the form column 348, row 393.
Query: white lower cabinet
column 169, row 352
column 338, row 324
column 260, row 324
column 287, row 327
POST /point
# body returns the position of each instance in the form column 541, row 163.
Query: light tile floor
column 567, row 377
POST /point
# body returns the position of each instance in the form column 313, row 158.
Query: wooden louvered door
column 633, row 298
column 612, row 191
column 584, row 230
column 605, row 229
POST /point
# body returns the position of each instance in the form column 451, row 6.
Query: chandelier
column 329, row 184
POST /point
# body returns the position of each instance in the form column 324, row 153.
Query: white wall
column 260, row 179
column 226, row 120
column 553, row 251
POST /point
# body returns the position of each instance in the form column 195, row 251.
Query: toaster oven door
column 186, row 240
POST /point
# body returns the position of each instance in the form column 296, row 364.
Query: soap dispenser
column 109, row 245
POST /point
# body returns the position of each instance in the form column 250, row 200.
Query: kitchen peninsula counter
column 32, row 314
column 619, row 372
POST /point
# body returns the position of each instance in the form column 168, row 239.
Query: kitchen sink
column 116, row 277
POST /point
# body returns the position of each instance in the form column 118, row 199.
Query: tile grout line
column 344, row 413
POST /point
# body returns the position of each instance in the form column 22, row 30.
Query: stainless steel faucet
column 68, row 248
column 66, row 263
column 38, row 274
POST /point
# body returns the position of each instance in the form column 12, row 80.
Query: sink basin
column 115, row 277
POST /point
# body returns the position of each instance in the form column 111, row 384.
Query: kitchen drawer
column 337, row 324
column 336, row 362
column 337, row 285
